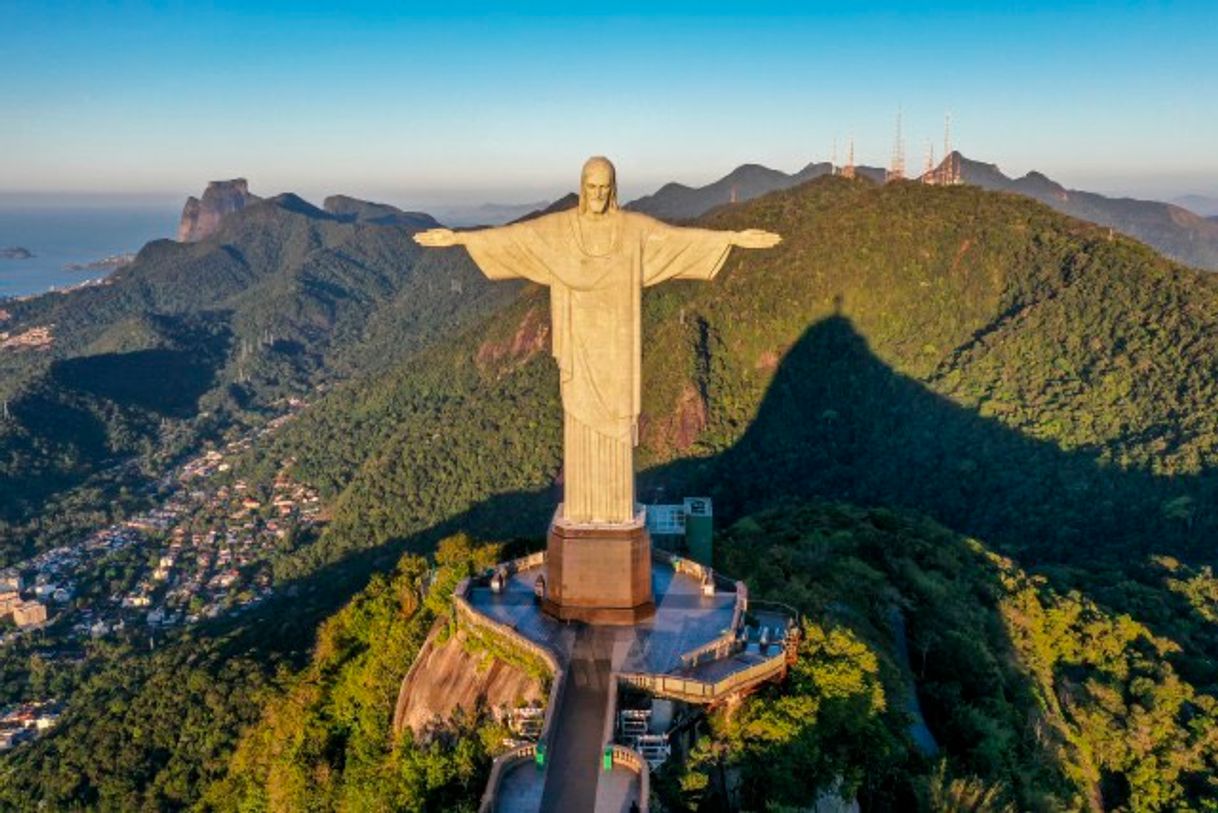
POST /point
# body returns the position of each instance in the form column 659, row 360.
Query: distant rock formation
column 354, row 210
column 567, row 201
column 1204, row 205
column 675, row 201
column 1171, row 230
column 201, row 217
column 15, row 253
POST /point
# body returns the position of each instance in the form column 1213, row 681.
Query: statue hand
column 437, row 238
column 756, row 238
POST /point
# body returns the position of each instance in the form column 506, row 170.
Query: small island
column 15, row 253
column 112, row 263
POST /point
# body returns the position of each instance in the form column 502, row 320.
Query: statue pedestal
column 598, row 573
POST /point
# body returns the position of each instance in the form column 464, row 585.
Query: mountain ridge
column 1172, row 230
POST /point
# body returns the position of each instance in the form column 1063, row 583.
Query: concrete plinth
column 598, row 573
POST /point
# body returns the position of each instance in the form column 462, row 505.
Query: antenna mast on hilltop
column 897, row 170
column 833, row 161
column 928, row 174
column 848, row 170
column 951, row 163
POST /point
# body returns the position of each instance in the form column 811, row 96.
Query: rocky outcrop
column 448, row 677
column 201, row 216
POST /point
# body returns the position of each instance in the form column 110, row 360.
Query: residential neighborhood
column 204, row 550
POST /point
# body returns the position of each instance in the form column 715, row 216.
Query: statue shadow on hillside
column 838, row 423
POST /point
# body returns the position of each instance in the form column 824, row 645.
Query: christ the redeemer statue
column 595, row 259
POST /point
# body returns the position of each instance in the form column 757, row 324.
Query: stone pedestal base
column 599, row 574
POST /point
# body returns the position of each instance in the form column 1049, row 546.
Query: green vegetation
column 1039, row 700
column 325, row 741
column 986, row 368
column 192, row 338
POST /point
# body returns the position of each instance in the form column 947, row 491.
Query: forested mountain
column 930, row 406
column 675, row 201
column 1176, row 232
column 191, row 335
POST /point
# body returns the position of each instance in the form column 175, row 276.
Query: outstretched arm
column 755, row 238
column 673, row 252
column 505, row 252
column 439, row 238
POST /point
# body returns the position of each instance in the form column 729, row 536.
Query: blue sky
column 465, row 101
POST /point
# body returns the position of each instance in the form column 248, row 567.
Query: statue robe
column 594, row 301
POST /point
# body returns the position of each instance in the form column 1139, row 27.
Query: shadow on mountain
column 838, row 422
column 163, row 381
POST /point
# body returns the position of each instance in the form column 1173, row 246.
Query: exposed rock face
column 446, row 678
column 201, row 217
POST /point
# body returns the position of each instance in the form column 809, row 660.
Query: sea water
column 59, row 236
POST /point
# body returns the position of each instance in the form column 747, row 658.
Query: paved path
column 520, row 789
column 575, row 750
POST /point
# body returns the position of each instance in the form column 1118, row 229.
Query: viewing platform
column 696, row 648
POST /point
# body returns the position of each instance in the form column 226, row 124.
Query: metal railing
column 466, row 614
column 633, row 760
column 692, row 690
column 498, row 769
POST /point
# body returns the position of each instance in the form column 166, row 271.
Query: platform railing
column 631, row 759
column 466, row 614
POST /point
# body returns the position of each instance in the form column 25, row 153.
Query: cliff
column 201, row 216
column 449, row 676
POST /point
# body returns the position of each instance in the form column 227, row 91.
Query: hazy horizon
column 1166, row 189
column 420, row 105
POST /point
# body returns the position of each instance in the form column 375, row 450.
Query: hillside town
column 203, row 551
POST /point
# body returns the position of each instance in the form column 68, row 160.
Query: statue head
column 597, row 187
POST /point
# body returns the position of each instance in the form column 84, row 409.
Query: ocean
column 62, row 235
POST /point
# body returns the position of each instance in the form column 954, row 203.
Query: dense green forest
column 325, row 742
column 193, row 339
column 975, row 364
column 1043, row 700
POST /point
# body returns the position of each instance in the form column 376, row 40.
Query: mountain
column 1024, row 394
column 1204, row 205
column 939, row 410
column 1172, row 230
column 675, row 201
column 353, row 210
column 282, row 297
column 567, row 201
column 201, row 216
column 485, row 214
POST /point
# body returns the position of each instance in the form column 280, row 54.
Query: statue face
column 598, row 188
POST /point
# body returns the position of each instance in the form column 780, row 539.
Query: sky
column 465, row 102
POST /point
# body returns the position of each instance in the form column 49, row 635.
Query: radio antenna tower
column 833, row 161
column 897, row 170
column 951, row 166
column 848, row 170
